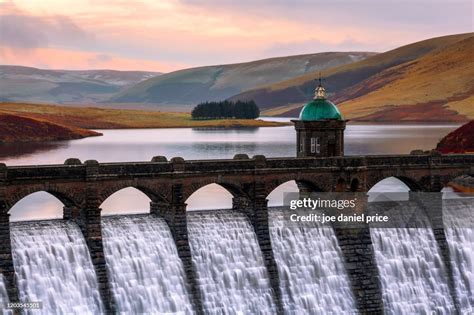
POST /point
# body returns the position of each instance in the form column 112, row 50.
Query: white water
column 146, row 273
column 53, row 266
column 3, row 291
column 230, row 268
column 310, row 265
column 458, row 218
column 412, row 272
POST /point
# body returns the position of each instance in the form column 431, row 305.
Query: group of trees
column 226, row 109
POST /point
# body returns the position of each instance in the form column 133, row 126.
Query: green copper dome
column 320, row 109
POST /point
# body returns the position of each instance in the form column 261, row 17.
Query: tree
column 226, row 109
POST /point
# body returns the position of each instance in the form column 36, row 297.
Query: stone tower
column 320, row 128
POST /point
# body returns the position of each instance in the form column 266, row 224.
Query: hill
column 188, row 87
column 14, row 128
column 27, row 84
column 436, row 87
column 460, row 140
column 417, row 66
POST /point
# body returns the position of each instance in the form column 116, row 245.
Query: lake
column 126, row 145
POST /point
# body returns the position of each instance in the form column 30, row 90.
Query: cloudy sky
column 166, row 35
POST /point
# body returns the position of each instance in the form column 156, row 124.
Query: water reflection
column 12, row 150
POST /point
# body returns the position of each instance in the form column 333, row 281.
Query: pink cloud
column 52, row 58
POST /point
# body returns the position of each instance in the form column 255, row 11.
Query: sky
column 168, row 35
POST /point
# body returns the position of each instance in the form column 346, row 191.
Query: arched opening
column 39, row 205
column 389, row 189
column 126, row 201
column 210, row 197
column 341, row 185
column 355, row 185
column 276, row 198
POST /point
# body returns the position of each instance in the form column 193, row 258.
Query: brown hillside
column 14, row 128
column 460, row 140
column 299, row 90
column 437, row 86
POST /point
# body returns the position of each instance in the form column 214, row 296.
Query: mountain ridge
column 30, row 84
column 285, row 98
column 208, row 83
column 437, row 86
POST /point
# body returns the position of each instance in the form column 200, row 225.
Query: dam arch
column 21, row 208
column 128, row 200
column 222, row 196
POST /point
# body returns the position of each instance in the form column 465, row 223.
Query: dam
column 247, row 259
column 170, row 252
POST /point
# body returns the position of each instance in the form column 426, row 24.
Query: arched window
column 315, row 145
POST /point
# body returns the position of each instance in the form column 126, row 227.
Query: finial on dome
column 320, row 91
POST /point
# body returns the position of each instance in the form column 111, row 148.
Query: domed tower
column 320, row 128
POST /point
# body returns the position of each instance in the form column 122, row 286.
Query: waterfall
column 412, row 271
column 3, row 291
column 313, row 279
column 145, row 271
column 230, row 267
column 459, row 224
column 53, row 266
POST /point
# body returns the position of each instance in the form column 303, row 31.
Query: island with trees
column 226, row 110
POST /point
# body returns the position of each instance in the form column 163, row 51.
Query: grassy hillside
column 100, row 118
column 27, row 84
column 419, row 90
column 14, row 128
column 460, row 140
column 341, row 81
column 188, row 87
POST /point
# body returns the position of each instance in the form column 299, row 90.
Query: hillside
column 361, row 78
column 26, row 84
column 100, row 118
column 186, row 88
column 14, row 128
column 437, row 86
column 460, row 140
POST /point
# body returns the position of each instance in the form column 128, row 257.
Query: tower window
column 302, row 143
column 315, row 145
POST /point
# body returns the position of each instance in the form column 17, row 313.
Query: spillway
column 3, row 291
column 230, row 267
column 53, row 266
column 459, row 224
column 313, row 279
column 412, row 272
column 145, row 271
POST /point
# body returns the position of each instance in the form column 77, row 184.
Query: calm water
column 143, row 144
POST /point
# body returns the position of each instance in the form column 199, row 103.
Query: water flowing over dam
column 310, row 264
column 230, row 268
column 460, row 236
column 3, row 291
column 53, row 266
column 146, row 273
column 412, row 273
